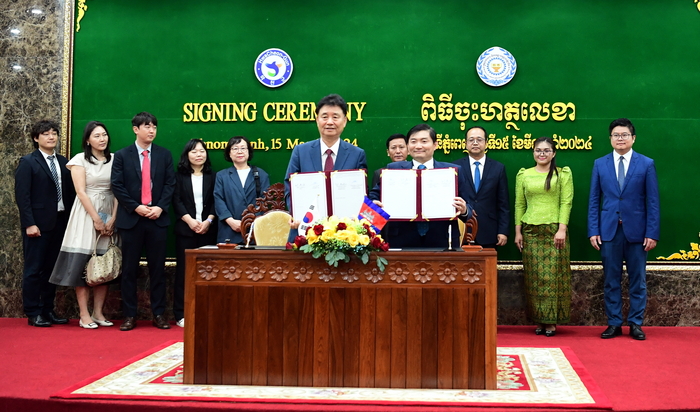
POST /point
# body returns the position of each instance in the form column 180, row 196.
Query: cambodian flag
column 376, row 216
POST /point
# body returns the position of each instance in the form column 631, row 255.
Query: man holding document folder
column 429, row 232
column 327, row 153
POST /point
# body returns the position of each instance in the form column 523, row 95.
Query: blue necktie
column 621, row 172
column 422, row 226
column 477, row 176
column 55, row 177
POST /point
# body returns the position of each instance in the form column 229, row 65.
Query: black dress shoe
column 53, row 318
column 128, row 324
column 160, row 322
column 611, row 332
column 39, row 321
column 636, row 332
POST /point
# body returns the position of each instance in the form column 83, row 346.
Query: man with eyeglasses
column 623, row 223
column 487, row 190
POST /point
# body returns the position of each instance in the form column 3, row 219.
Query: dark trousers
column 182, row 243
column 146, row 233
column 612, row 254
column 40, row 254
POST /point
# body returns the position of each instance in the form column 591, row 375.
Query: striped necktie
column 54, row 173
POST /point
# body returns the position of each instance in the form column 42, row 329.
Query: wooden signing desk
column 282, row 318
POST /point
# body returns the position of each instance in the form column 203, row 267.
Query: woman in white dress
column 93, row 215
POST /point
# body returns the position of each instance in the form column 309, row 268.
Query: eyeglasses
column 476, row 139
column 239, row 149
column 543, row 151
column 623, row 136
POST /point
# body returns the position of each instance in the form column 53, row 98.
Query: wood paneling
column 370, row 332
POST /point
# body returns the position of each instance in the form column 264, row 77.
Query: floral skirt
column 547, row 275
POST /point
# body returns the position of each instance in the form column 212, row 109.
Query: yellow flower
column 353, row 239
column 311, row 237
column 328, row 235
column 364, row 240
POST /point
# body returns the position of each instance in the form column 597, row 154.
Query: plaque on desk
column 434, row 191
column 339, row 193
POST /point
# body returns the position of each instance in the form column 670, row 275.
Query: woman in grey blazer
column 236, row 188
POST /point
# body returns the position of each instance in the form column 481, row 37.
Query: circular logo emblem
column 273, row 67
column 496, row 66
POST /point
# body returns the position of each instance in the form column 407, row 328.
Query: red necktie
column 328, row 166
column 146, row 179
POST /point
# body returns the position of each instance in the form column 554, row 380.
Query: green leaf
column 381, row 263
column 317, row 254
column 365, row 258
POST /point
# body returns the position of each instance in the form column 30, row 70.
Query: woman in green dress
column 543, row 197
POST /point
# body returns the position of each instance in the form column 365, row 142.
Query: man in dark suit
column 328, row 152
column 623, row 223
column 44, row 193
column 487, row 190
column 143, row 181
column 422, row 142
column 397, row 151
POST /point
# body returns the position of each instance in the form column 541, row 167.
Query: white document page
column 399, row 193
column 348, row 190
column 307, row 189
column 438, row 187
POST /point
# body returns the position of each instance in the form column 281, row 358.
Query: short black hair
column 395, row 136
column 333, row 100
column 42, row 126
column 420, row 127
column 144, row 118
column 486, row 135
column 184, row 165
column 622, row 122
column 92, row 125
column 234, row 141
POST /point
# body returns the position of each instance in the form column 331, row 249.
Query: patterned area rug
column 541, row 377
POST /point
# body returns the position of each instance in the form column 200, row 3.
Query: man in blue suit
column 143, row 181
column 422, row 142
column 44, row 193
column 623, row 223
column 328, row 152
column 487, row 190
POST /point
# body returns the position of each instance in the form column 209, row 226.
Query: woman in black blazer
column 193, row 203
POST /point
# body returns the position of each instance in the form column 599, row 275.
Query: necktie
column 54, row 173
column 145, row 179
column 422, row 226
column 621, row 172
column 477, row 176
column 328, row 166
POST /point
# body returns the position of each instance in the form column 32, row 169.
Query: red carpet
column 655, row 375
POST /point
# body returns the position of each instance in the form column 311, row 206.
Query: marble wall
column 31, row 69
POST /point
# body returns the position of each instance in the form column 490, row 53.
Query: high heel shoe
column 101, row 322
column 539, row 331
column 550, row 333
column 91, row 325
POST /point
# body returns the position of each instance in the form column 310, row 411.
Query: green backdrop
column 635, row 59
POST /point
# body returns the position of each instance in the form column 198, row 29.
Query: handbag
column 101, row 269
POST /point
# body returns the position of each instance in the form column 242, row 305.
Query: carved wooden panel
column 283, row 318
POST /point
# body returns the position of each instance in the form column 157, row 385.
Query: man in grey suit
column 143, row 181
column 487, row 190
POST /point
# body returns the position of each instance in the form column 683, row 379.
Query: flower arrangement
column 338, row 238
